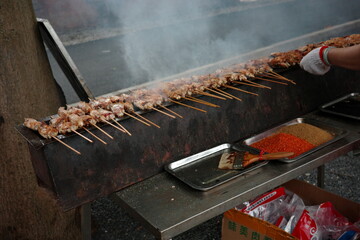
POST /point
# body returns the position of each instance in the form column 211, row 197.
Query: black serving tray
column 346, row 106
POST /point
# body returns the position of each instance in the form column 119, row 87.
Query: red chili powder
column 283, row 142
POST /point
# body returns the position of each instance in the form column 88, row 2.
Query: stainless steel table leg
column 321, row 176
column 85, row 211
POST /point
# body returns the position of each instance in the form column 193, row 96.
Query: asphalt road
column 144, row 54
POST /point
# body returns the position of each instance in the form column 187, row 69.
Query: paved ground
column 113, row 223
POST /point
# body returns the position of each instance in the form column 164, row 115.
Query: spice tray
column 346, row 106
column 337, row 133
column 200, row 171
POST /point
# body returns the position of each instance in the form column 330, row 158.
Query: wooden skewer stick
column 127, row 114
column 272, row 76
column 222, row 94
column 241, row 90
column 278, row 76
column 257, row 84
column 268, row 80
column 92, row 134
column 248, row 84
column 105, row 121
column 185, row 105
column 66, row 145
column 171, row 111
column 209, row 95
column 203, row 101
column 169, row 115
column 200, row 101
column 122, row 127
column 145, row 119
column 102, row 131
column 87, row 139
column 236, row 98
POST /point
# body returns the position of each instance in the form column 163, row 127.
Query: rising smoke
column 174, row 36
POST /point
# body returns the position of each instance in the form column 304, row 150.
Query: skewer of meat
column 118, row 109
column 207, row 82
column 93, row 122
column 149, row 105
column 196, row 87
column 184, row 92
column 64, row 126
column 243, row 74
column 148, row 100
column 97, row 109
column 83, row 109
column 46, row 131
column 129, row 108
column 78, row 115
column 261, row 67
column 214, row 82
column 102, row 115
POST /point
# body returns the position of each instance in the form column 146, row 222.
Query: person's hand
column 314, row 62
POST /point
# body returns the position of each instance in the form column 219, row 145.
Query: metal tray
column 200, row 171
column 335, row 131
column 346, row 106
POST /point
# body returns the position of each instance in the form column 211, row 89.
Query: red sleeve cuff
column 321, row 53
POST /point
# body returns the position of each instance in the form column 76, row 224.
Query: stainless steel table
column 168, row 207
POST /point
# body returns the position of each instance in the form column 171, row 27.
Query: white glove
column 314, row 62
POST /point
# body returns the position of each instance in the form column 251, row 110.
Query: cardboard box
column 240, row 226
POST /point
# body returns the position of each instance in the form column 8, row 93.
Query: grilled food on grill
column 105, row 109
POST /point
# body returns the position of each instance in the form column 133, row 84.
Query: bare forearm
column 345, row 57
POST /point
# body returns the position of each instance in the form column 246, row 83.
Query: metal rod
column 85, row 213
column 321, row 176
column 64, row 60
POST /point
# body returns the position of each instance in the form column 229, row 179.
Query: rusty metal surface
column 103, row 169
